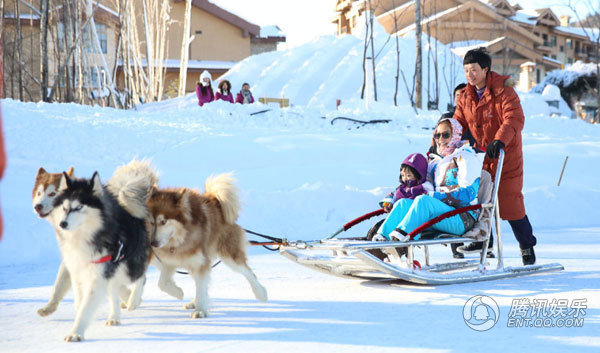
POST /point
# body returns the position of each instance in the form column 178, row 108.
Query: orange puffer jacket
column 498, row 115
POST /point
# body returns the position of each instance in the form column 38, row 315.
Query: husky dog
column 189, row 230
column 45, row 191
column 104, row 244
column 133, row 179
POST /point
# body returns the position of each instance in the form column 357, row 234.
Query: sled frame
column 350, row 258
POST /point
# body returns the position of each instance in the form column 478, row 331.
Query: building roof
column 226, row 16
column 191, row 64
column 271, row 32
column 475, row 5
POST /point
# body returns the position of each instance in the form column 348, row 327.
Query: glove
column 493, row 149
column 387, row 207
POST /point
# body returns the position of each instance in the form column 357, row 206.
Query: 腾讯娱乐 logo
column 481, row 313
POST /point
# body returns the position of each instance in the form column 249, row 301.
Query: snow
column 301, row 177
column 319, row 72
column 271, row 31
column 565, row 77
column 552, row 95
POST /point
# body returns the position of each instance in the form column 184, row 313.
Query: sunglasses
column 443, row 135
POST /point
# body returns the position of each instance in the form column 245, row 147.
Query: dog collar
column 108, row 258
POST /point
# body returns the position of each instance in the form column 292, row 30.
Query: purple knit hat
column 419, row 163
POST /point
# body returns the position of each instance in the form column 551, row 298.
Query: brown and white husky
column 189, row 229
column 45, row 190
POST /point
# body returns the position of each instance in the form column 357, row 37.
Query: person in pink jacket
column 204, row 90
column 224, row 91
column 245, row 96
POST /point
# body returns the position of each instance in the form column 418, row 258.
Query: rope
column 180, row 272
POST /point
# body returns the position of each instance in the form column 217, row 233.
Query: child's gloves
column 387, row 207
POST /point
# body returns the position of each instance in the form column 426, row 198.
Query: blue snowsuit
column 456, row 181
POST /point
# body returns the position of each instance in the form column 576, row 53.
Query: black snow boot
column 455, row 253
column 476, row 247
column 528, row 256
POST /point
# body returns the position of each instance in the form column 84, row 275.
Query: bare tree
column 364, row 61
column 70, row 51
column 44, row 48
column 371, row 17
column 185, row 48
column 419, row 60
column 19, row 45
column 369, row 42
column 397, row 77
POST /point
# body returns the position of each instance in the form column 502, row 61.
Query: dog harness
column 107, row 258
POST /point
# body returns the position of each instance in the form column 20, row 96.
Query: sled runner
column 354, row 257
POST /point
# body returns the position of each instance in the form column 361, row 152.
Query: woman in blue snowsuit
column 455, row 175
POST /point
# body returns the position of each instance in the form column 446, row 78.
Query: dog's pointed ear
column 153, row 190
column 97, row 185
column 182, row 196
column 65, row 182
column 70, row 171
column 41, row 172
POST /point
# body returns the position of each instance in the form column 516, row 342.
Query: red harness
column 108, row 258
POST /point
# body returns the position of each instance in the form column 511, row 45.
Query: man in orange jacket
column 492, row 111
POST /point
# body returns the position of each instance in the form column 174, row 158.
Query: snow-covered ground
column 302, row 174
column 301, row 177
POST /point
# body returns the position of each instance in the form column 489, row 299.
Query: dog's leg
column 77, row 292
column 114, row 318
column 61, row 287
column 166, row 283
column 135, row 299
column 201, row 278
column 124, row 294
column 92, row 294
column 241, row 267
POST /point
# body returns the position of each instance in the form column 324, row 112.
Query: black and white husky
column 104, row 246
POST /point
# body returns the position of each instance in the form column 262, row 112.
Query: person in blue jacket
column 455, row 175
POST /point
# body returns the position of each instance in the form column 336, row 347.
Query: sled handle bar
column 356, row 221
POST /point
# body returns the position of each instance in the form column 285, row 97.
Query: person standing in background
column 204, row 90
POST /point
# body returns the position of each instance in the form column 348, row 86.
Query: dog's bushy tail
column 223, row 189
column 131, row 184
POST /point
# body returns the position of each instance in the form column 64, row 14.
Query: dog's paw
column 177, row 293
column 112, row 322
column 261, row 294
column 173, row 291
column 132, row 306
column 198, row 314
column 73, row 337
column 190, row 305
column 47, row 310
column 133, row 303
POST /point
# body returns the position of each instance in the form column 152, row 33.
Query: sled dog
column 104, row 243
column 131, row 180
column 190, row 230
column 45, row 190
